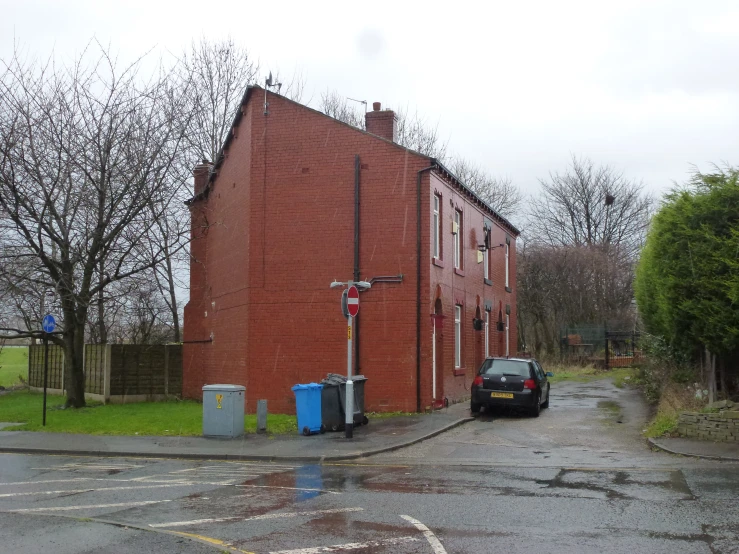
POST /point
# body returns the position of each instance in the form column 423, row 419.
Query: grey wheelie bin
column 333, row 401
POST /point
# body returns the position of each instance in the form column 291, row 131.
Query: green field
column 13, row 362
column 173, row 418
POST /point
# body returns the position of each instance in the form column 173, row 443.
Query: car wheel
column 546, row 402
column 536, row 410
column 475, row 408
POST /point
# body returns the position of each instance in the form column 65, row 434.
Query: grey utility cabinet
column 223, row 411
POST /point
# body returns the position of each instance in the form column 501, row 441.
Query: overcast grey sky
column 648, row 87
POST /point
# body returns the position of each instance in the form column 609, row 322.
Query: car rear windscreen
column 507, row 367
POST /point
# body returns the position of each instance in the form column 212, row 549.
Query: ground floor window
column 487, row 327
column 457, row 336
column 507, row 334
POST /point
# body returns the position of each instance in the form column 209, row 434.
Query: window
column 487, row 328
column 437, row 223
column 458, row 239
column 506, row 367
column 457, row 336
column 507, row 334
column 507, row 284
column 486, row 256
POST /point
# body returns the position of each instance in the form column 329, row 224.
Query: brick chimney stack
column 200, row 173
column 383, row 123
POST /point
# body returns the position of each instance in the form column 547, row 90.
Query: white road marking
column 288, row 488
column 255, row 518
column 90, row 506
column 348, row 546
column 75, row 491
column 113, row 479
column 99, row 467
column 248, row 467
column 433, row 541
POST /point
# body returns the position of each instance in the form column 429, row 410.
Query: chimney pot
column 376, row 106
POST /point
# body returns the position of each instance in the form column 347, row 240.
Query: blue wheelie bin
column 308, row 408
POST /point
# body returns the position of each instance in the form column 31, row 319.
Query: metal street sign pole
column 48, row 325
column 349, row 407
column 46, row 372
column 350, row 309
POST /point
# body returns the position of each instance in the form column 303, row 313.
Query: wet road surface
column 574, row 480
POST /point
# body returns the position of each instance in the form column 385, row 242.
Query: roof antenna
column 270, row 83
column 360, row 101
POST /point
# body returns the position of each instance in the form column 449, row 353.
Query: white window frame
column 458, row 240
column 457, row 336
column 487, row 333
column 507, row 334
column 507, row 250
column 486, row 257
column 437, row 245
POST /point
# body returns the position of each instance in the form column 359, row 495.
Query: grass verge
column 169, row 418
column 13, row 365
column 620, row 376
column 663, row 423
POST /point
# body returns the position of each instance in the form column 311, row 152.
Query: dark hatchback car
column 516, row 382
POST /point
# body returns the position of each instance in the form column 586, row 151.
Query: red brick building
column 273, row 224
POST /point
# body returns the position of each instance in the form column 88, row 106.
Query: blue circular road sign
column 49, row 323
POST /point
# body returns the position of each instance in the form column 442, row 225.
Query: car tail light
column 477, row 382
column 529, row 384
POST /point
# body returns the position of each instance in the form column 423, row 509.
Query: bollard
column 261, row 416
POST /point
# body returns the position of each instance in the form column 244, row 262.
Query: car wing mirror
column 550, row 374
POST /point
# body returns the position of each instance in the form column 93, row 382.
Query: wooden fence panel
column 36, row 366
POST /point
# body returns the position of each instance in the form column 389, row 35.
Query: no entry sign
column 352, row 301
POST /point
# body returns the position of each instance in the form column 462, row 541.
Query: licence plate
column 501, row 395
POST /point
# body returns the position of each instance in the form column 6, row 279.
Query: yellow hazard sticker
column 219, row 398
column 349, row 333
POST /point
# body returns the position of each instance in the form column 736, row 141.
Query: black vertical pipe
column 418, row 283
column 46, row 372
column 357, row 368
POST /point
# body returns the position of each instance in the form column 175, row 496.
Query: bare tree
column 219, row 73
column 498, row 193
column 590, row 205
column 337, row 106
column 565, row 285
column 86, row 151
column 413, row 132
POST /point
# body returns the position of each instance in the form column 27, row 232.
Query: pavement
column 697, row 448
column 379, row 436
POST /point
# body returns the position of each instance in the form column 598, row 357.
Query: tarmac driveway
column 591, row 424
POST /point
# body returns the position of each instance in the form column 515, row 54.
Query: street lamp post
column 347, row 310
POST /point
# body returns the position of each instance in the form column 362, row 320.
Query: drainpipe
column 357, row 367
column 418, row 282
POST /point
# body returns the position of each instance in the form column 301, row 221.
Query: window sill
column 437, row 262
column 459, row 272
column 489, row 282
column 508, row 289
column 458, row 372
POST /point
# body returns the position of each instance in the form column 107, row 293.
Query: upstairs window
column 437, row 226
column 486, row 255
column 507, row 252
column 457, row 229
